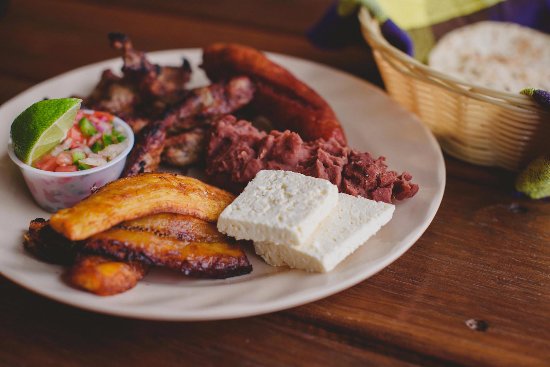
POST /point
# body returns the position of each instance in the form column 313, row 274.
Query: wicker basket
column 476, row 124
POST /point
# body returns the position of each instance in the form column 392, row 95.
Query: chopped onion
column 55, row 151
column 111, row 151
column 87, row 150
column 62, row 147
column 94, row 155
column 104, row 127
column 93, row 161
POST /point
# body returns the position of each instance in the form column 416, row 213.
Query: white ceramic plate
column 372, row 122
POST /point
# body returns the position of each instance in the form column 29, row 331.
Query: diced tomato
column 76, row 135
column 104, row 115
column 71, row 168
column 46, row 163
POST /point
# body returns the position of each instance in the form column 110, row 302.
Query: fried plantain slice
column 178, row 226
column 48, row 245
column 219, row 259
column 103, row 276
column 96, row 274
column 138, row 196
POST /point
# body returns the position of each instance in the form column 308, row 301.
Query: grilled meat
column 144, row 91
column 164, row 83
column 137, row 196
column 104, row 276
column 185, row 148
column 153, row 99
column 137, row 122
column 186, row 124
column 146, row 153
column 113, row 94
column 216, row 99
column 168, row 81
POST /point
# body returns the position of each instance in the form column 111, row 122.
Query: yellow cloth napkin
column 413, row 14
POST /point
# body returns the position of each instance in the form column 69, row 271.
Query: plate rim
column 262, row 308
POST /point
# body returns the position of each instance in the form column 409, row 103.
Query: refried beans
column 236, row 151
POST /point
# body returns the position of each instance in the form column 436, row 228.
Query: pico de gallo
column 91, row 142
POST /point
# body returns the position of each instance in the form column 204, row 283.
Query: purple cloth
column 529, row 13
column 333, row 31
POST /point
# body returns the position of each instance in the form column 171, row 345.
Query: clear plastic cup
column 57, row 190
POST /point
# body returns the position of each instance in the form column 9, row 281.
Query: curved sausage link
column 280, row 96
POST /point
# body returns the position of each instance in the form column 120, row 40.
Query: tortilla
column 502, row 56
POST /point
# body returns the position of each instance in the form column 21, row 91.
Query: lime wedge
column 42, row 126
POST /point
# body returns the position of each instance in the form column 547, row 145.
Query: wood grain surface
column 485, row 257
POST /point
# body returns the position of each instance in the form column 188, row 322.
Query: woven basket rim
column 377, row 41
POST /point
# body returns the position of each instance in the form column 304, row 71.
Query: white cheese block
column 353, row 222
column 279, row 207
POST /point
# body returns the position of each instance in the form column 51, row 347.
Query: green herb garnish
column 107, row 139
column 86, row 127
column 119, row 137
column 82, row 166
column 78, row 156
column 97, row 146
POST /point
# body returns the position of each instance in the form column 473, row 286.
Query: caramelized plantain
column 48, row 245
column 218, row 259
column 137, row 196
column 93, row 273
column 104, row 276
column 178, row 226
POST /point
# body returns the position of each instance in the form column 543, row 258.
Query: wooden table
column 486, row 256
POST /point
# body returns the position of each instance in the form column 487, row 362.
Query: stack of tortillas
column 501, row 56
